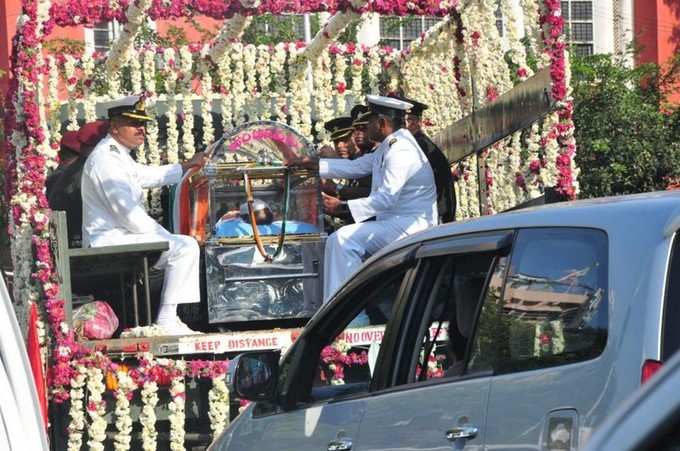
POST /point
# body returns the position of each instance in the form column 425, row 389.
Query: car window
column 671, row 333
column 347, row 363
column 450, row 316
column 552, row 308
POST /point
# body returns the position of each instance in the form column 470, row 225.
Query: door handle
column 466, row 432
column 340, row 444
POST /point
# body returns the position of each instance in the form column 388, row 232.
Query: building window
column 578, row 26
column 399, row 32
column 104, row 33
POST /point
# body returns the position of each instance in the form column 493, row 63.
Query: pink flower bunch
column 520, row 181
column 331, row 356
column 207, row 369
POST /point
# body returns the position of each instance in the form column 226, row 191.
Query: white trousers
column 351, row 244
column 181, row 264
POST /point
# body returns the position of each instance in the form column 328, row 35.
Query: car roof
column 649, row 211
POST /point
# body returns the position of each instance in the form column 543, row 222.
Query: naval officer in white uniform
column 403, row 198
column 113, row 213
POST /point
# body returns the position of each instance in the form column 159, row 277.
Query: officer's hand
column 331, row 205
column 198, row 160
column 302, row 162
column 328, row 187
column 328, row 152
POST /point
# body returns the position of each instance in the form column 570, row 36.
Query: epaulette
column 392, row 141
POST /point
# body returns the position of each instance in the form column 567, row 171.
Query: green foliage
column 270, row 30
column 626, row 142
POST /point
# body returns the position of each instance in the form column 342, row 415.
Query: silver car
column 648, row 420
column 21, row 424
column 520, row 330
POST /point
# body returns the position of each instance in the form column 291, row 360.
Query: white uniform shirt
column 402, row 185
column 112, row 187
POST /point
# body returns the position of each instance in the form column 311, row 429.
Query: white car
column 21, row 424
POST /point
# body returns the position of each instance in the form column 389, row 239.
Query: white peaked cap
column 387, row 103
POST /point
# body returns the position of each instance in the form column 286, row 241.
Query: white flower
column 176, row 407
column 218, row 401
column 147, row 417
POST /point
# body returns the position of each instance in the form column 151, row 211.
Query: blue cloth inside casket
column 239, row 228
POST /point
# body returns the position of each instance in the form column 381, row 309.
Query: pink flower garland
column 553, row 24
column 340, row 360
column 87, row 12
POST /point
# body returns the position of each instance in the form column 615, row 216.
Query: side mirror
column 253, row 375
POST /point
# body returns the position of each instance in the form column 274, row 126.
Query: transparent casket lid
column 261, row 148
column 265, row 143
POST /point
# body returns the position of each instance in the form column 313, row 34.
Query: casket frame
column 253, row 274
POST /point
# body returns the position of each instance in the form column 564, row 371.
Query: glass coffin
column 261, row 224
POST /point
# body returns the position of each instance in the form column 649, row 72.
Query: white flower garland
column 207, row 98
column 151, row 152
column 264, row 75
column 176, row 407
column 136, row 72
column 323, row 94
column 356, row 71
column 186, row 63
column 96, row 409
column 87, row 65
column 277, row 66
column 238, row 85
column 126, row 388
column 249, row 59
column 148, row 416
column 532, row 28
column 218, row 401
column 224, row 73
column 339, row 80
column 374, row 70
column 517, row 52
column 296, row 77
column 172, row 150
column 331, row 29
column 551, row 149
column 70, row 75
column 231, row 30
column 77, row 411
column 121, row 50
column 391, row 60
column 53, row 103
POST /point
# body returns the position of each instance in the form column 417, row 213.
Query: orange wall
column 9, row 11
column 657, row 31
column 193, row 35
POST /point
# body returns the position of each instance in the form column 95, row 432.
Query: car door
column 433, row 401
column 542, row 338
column 327, row 376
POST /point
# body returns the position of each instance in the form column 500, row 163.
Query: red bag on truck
column 95, row 320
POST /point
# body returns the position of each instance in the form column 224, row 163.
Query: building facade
column 593, row 26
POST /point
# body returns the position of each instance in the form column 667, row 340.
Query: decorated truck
column 500, row 109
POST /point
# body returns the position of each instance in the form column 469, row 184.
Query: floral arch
column 457, row 66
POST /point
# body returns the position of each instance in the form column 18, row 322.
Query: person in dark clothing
column 359, row 117
column 63, row 193
column 446, row 196
column 69, row 149
column 353, row 188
